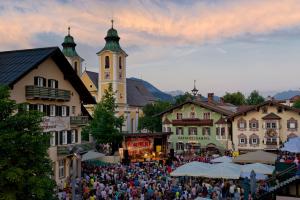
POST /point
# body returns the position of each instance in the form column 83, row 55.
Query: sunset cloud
column 144, row 22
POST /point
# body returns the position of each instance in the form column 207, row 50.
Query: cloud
column 144, row 22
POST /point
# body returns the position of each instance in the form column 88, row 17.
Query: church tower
column 112, row 67
column 70, row 53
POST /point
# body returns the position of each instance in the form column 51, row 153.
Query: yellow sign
column 235, row 154
column 158, row 148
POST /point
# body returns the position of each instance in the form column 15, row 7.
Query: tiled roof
column 271, row 116
column 16, row 64
column 137, row 93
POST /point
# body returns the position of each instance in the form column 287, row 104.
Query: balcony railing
column 36, row 92
column 79, row 120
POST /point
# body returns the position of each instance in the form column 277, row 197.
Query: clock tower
column 112, row 67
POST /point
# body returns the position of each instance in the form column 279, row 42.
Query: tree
column 105, row 127
column 236, row 98
column 183, row 98
column 254, row 98
column 25, row 168
column 151, row 120
column 296, row 104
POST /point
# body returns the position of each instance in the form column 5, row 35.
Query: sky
column 225, row 45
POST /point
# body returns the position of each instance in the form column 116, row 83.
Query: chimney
column 210, row 97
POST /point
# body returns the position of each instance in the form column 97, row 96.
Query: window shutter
column 45, row 110
column 288, row 124
column 44, row 82
column 48, row 110
column 257, row 125
column 49, row 82
column 68, row 110
column 296, row 124
column 56, row 138
column 177, row 132
column 245, row 140
column 56, row 84
column 238, row 124
column 250, row 140
column 257, row 140
column 203, row 131
column 69, row 137
column 60, row 110
column 35, row 80
column 217, row 131
column 60, row 137
column 76, row 136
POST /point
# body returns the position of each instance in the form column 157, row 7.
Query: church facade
column 131, row 95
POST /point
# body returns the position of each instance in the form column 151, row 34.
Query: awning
column 91, row 155
column 256, row 157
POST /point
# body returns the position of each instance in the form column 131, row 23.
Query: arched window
column 106, row 62
column 120, row 62
column 75, row 66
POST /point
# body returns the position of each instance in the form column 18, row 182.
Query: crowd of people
column 148, row 181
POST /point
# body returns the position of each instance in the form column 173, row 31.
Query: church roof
column 137, row 94
column 14, row 65
column 69, row 46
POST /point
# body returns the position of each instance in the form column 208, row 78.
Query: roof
column 256, row 157
column 271, row 116
column 137, row 94
column 16, row 64
column 266, row 103
column 210, row 106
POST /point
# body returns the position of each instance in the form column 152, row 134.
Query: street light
column 195, row 91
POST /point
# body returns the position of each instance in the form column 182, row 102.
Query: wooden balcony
column 79, row 120
column 36, row 92
column 192, row 122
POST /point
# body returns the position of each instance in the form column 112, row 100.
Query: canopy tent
column 256, row 157
column 258, row 176
column 293, row 145
column 92, row 155
column 191, row 169
column 224, row 170
column 222, row 159
column 258, row 168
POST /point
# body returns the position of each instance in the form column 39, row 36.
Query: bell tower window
column 106, row 62
column 75, row 66
column 120, row 62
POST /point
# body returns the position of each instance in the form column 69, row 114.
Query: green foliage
column 236, row 98
column 25, row 168
column 255, row 98
column 151, row 121
column 105, row 127
column 183, row 98
column 296, row 104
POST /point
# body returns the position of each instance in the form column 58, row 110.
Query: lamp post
column 194, row 90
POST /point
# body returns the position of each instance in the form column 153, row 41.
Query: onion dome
column 69, row 45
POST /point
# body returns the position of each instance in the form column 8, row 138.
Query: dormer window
column 106, row 62
column 179, row 115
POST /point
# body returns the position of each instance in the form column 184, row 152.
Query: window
column 206, row 131
column 179, row 115
column 179, row 131
column 64, row 111
column 192, row 114
column 52, row 83
column 179, row 146
column 40, row 107
column 64, row 137
column 223, row 132
column 106, row 62
column 168, row 129
column 73, row 136
column 52, row 139
column 192, row 131
column 292, row 125
column 273, row 125
column 52, row 110
column 242, row 141
column 106, row 75
column 253, row 124
column 242, row 124
column 75, row 66
column 61, row 168
column 254, row 140
column 206, row 115
column 120, row 62
column 73, row 110
column 39, row 81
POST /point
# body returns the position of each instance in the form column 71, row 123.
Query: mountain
column 155, row 92
column 175, row 93
column 286, row 94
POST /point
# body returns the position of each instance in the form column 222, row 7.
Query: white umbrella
column 191, row 169
column 224, row 170
column 221, row 159
column 293, row 145
column 258, row 168
column 91, row 155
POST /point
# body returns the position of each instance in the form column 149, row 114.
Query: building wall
column 90, row 85
column 49, row 70
column 283, row 131
column 199, row 138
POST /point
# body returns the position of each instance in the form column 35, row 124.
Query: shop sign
column 55, row 123
column 193, row 138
